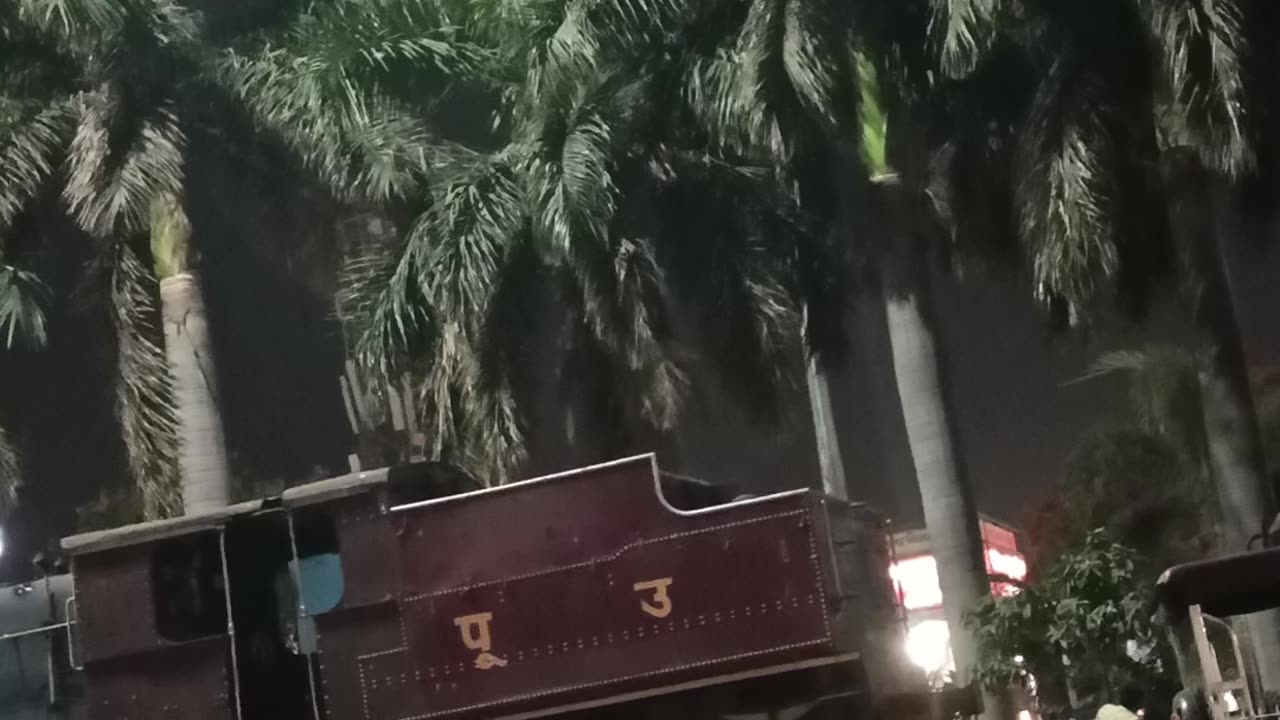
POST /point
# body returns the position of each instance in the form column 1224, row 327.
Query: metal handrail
column 33, row 631
column 68, row 613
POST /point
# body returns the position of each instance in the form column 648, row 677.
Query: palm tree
column 839, row 99
column 126, row 87
column 1145, row 477
column 1167, row 402
column 123, row 100
column 1137, row 113
column 114, row 135
column 596, row 146
column 205, row 473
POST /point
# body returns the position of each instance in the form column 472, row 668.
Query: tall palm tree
column 596, row 148
column 1140, row 110
column 115, row 73
column 839, row 98
column 126, row 87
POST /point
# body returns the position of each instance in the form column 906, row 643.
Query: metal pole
column 296, row 572
column 231, row 625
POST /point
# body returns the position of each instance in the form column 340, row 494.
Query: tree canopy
column 1082, row 624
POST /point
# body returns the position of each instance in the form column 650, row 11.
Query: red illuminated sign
column 916, row 578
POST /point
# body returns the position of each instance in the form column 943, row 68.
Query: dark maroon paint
column 556, row 562
column 131, row 671
column 754, row 587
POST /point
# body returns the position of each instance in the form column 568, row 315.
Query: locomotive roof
column 214, row 519
column 155, row 529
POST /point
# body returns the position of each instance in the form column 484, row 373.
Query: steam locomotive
column 414, row 593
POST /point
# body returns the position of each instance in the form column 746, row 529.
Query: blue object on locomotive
column 322, row 586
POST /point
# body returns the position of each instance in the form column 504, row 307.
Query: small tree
column 1083, row 623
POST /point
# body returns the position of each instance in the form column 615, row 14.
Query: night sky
column 279, row 357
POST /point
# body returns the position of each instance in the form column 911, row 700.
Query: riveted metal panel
column 181, row 682
column 368, row 550
column 343, row 636
column 588, row 586
column 114, row 603
column 391, row 685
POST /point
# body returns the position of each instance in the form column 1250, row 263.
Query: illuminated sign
column 916, row 578
column 1010, row 565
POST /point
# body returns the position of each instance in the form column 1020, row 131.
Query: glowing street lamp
column 929, row 645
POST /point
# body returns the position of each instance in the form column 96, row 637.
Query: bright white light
column 1019, row 659
column 1024, row 715
column 929, row 645
column 917, row 579
column 1, row 542
column 1233, row 705
column 1009, row 565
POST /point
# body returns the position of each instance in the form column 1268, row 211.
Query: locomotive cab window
column 187, row 582
column 273, row 674
column 319, row 563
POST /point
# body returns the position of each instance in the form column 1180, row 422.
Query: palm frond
column 346, row 85
column 1202, row 49
column 383, row 304
column 362, row 144
column 22, row 300
column 550, row 71
column 1164, row 393
column 635, row 23
column 964, row 30
column 110, row 34
column 74, row 18
column 460, row 245
column 1067, row 191
column 1086, row 190
column 346, row 41
column 730, row 260
column 144, row 393
column 569, row 172
column 714, row 89
column 765, row 80
column 817, row 54
column 111, row 190
column 34, row 140
column 640, row 333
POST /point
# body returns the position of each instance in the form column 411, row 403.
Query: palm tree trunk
column 830, row 461
column 950, row 512
column 206, row 476
column 1231, row 422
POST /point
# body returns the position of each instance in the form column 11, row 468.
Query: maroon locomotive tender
column 411, row 593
